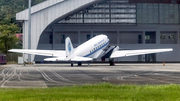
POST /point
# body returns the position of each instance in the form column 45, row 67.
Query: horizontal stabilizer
column 124, row 53
column 56, row 59
column 81, row 59
column 65, row 59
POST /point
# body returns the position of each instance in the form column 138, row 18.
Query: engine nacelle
column 108, row 51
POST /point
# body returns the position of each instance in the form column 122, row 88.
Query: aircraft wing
column 124, row 53
column 58, row 53
column 61, row 55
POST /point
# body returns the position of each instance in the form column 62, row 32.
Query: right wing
column 61, row 53
column 124, row 53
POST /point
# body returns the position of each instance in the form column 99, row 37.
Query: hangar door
column 150, row 57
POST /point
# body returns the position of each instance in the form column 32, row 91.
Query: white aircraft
column 95, row 48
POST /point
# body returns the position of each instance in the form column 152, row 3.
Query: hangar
column 129, row 24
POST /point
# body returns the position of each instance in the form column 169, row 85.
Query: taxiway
column 55, row 75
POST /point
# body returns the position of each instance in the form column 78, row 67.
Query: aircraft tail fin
column 69, row 47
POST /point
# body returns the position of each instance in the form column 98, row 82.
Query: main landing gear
column 79, row 64
column 72, row 64
column 111, row 62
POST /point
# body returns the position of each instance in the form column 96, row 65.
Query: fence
column 13, row 57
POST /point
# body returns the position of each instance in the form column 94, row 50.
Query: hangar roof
column 23, row 15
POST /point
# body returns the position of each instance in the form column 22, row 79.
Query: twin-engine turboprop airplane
column 95, row 48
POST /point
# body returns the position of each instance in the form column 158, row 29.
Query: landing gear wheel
column 72, row 64
column 111, row 62
column 79, row 63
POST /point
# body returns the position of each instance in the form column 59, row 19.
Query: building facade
column 129, row 24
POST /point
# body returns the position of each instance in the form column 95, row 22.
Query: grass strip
column 97, row 92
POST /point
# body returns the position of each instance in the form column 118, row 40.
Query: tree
column 9, row 8
column 8, row 27
column 8, row 37
column 8, row 24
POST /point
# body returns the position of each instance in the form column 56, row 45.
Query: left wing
column 124, row 53
column 61, row 53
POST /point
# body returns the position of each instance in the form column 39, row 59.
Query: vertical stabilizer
column 69, row 47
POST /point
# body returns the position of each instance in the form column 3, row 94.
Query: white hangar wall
column 44, row 14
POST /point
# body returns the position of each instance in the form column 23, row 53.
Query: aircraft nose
column 106, row 37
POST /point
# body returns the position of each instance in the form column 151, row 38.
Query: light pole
column 29, row 30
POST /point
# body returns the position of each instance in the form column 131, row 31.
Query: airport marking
column 157, row 80
column 4, row 66
column 35, row 68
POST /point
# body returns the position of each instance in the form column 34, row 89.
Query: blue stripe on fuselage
column 96, row 50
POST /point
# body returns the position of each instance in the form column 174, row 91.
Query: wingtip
column 170, row 49
column 10, row 50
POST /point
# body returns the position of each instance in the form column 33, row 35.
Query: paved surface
column 18, row 76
